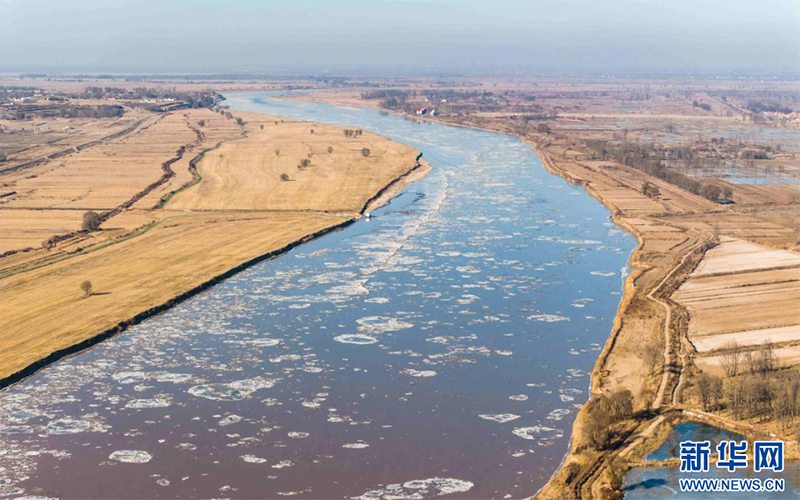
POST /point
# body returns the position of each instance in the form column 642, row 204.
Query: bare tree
column 86, row 286
column 91, row 221
column 730, row 358
column 620, row 404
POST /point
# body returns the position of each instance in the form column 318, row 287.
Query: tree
column 598, row 425
column 620, row 404
column 330, row 149
column 86, row 286
column 239, row 121
column 304, row 163
column 277, row 152
column 649, row 189
column 261, row 126
column 202, row 123
column 312, row 130
column 365, row 152
column 727, row 193
column 284, row 177
column 91, row 221
column 730, row 358
column 709, row 388
column 543, row 128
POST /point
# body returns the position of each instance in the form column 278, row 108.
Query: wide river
column 442, row 347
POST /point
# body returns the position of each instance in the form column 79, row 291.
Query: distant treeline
column 66, row 111
column 759, row 107
column 648, row 159
column 199, row 99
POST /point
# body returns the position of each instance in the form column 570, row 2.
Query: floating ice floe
column 500, row 417
column 175, row 378
column 355, row 446
column 377, row 300
column 130, row 377
column 139, row 404
column 282, row 464
column 601, row 273
column 537, row 431
column 252, row 459
column 557, row 414
column 131, row 456
column 298, row 435
column 356, row 338
column 548, row 318
column 382, row 324
column 68, row 426
column 229, row 420
column 232, row 391
column 518, row 397
column 419, row 373
column 419, row 488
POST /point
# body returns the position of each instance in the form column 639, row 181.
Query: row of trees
column 753, row 387
column 648, row 159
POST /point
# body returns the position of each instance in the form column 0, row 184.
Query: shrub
column 86, row 286
column 366, row 152
column 91, row 221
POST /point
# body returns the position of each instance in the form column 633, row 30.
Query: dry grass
column 44, row 310
column 144, row 257
column 246, row 174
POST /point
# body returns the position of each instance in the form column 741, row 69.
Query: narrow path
column 668, row 354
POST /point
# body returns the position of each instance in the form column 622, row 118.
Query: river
column 442, row 347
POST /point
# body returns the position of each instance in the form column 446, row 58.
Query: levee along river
column 441, row 348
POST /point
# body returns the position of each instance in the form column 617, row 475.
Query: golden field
column 151, row 252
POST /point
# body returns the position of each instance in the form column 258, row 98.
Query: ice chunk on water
column 548, row 318
column 68, row 426
column 131, row 456
column 357, row 339
column 420, row 488
column 537, row 431
column 500, row 417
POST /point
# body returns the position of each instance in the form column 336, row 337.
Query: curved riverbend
column 443, row 346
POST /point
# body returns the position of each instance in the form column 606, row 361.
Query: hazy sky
column 399, row 36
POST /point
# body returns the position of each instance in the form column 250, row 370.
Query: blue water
column 441, row 348
column 662, row 482
column 694, row 431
